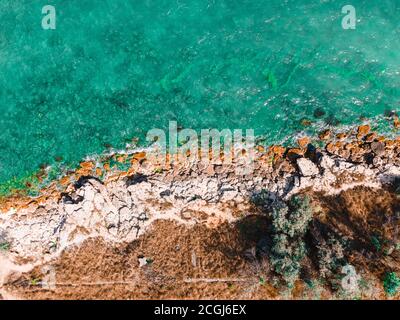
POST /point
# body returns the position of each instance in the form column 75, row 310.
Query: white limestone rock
column 307, row 167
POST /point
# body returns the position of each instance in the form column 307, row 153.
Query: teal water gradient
column 114, row 69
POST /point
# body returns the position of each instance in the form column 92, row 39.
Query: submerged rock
column 319, row 113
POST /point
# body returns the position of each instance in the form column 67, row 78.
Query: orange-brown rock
column 354, row 148
column 325, row 135
column 106, row 166
column 99, row 172
column 390, row 144
column 341, row 136
column 306, row 122
column 294, row 153
column 303, row 142
column 338, row 144
column 122, row 158
column 396, row 122
column 82, row 172
column 350, row 146
column 370, row 137
column 64, row 181
column 278, row 150
column 363, row 130
column 139, row 155
column 123, row 174
column 344, row 153
column 131, row 171
column 87, row 165
column 260, row 149
column 333, row 147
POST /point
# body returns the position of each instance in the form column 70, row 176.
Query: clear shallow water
column 113, row 69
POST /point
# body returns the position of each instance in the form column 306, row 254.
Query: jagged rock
column 377, row 161
column 378, row 147
column 370, row 137
column 294, row 154
column 278, row 150
column 341, row 136
column 325, row 135
column 330, row 147
column 312, row 153
column 303, row 142
column 327, row 162
column 390, row 144
column 306, row 122
column 335, row 148
column 285, row 166
column 363, row 130
column 396, row 122
column 143, row 261
column 121, row 209
column 345, row 154
column 307, row 168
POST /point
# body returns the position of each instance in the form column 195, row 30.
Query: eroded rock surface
column 120, row 209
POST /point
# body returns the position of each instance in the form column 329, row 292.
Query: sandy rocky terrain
column 195, row 231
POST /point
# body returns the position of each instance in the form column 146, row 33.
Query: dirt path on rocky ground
column 229, row 261
column 196, row 231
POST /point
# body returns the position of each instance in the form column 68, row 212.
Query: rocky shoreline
column 98, row 201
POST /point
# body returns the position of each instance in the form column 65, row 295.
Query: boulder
column 363, row 131
column 307, row 168
column 325, row 135
column 303, row 142
column 378, row 147
column 396, row 122
column 327, row 162
column 294, row 153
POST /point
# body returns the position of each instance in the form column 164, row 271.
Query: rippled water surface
column 114, row 69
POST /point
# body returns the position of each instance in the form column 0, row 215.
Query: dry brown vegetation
column 232, row 261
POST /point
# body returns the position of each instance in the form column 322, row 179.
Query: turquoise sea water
column 113, row 69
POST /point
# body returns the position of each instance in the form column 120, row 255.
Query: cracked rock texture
column 121, row 209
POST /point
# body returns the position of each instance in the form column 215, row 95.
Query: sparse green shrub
column 286, row 256
column 330, row 256
column 293, row 220
column 290, row 223
column 376, row 243
column 391, row 283
column 4, row 246
column 34, row 282
column 261, row 199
